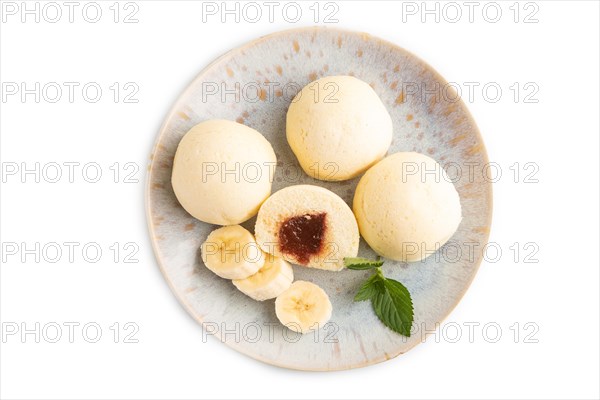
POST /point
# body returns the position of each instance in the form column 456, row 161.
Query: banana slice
column 269, row 282
column 304, row 307
column 232, row 253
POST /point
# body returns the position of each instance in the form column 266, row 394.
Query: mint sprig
column 390, row 299
column 369, row 289
column 359, row 263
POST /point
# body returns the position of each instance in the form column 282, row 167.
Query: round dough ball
column 405, row 209
column 338, row 127
column 223, row 172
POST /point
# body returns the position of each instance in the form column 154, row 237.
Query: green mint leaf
column 370, row 288
column 359, row 263
column 393, row 306
column 390, row 299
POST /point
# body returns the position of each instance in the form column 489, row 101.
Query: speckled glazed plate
column 268, row 72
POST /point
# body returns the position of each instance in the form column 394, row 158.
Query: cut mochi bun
column 308, row 225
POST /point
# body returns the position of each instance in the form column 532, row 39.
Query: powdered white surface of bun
column 223, row 171
column 404, row 210
column 338, row 127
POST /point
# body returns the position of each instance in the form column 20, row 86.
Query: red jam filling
column 302, row 236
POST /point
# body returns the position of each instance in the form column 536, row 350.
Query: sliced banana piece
column 232, row 253
column 304, row 307
column 269, row 282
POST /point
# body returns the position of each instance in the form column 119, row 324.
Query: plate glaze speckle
column 268, row 72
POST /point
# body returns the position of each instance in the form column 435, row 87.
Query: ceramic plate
column 268, row 72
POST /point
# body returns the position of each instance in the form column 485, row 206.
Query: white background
column 162, row 53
